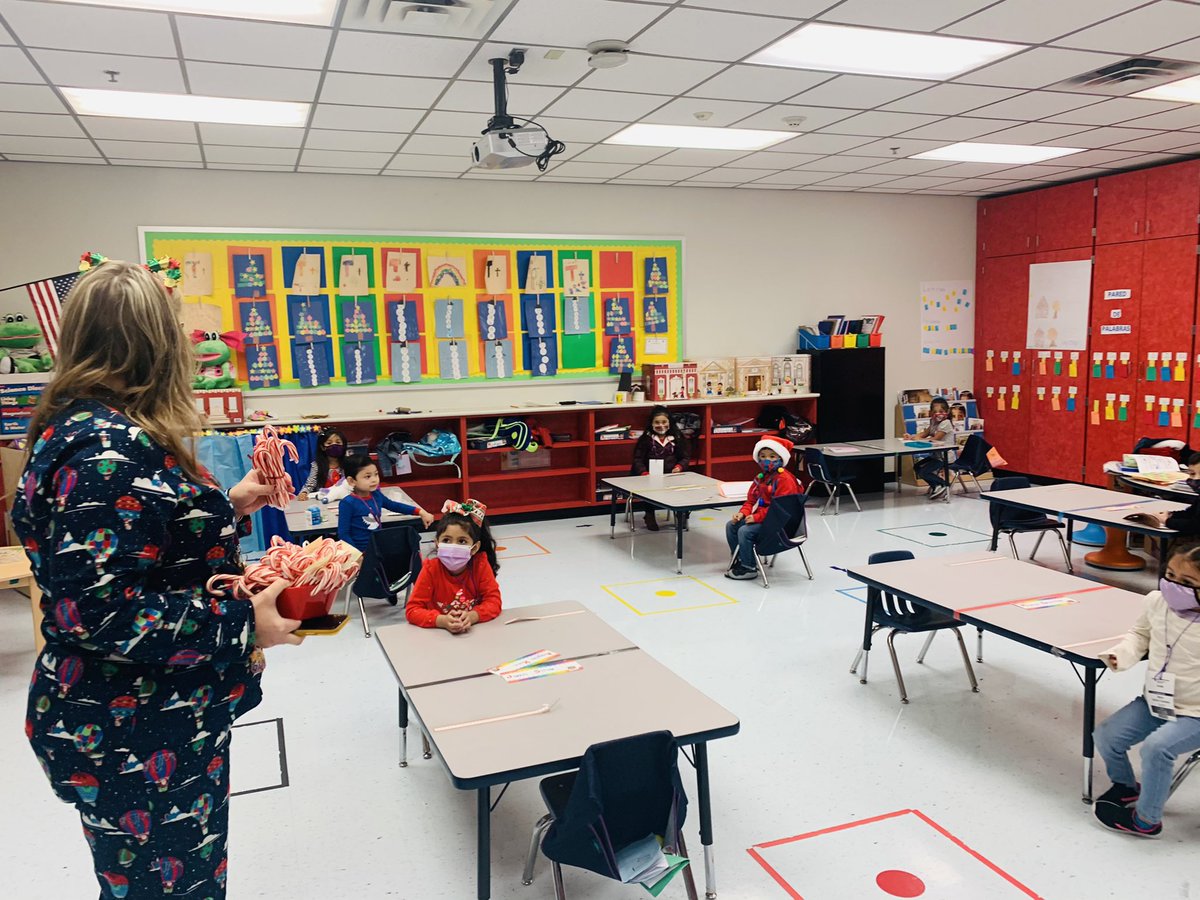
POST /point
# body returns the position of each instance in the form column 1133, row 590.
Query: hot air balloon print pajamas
column 144, row 671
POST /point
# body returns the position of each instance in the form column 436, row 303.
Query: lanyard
column 1171, row 644
column 374, row 511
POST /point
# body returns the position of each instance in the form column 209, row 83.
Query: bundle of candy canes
column 323, row 565
column 267, row 460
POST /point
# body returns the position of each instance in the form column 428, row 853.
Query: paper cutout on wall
column 406, row 363
column 401, row 271
column 577, row 277
column 654, row 315
column 308, row 318
column 616, row 269
column 498, row 359
column 947, row 320
column 495, row 273
column 452, row 360
column 402, row 320
column 249, row 275
column 577, row 317
column 352, row 275
column 579, row 350
column 263, row 362
column 617, row 318
column 448, row 319
column 303, row 269
column 537, row 314
column 357, row 318
column 358, row 362
column 311, row 362
column 541, row 356
column 536, row 269
column 1059, row 297
column 197, row 275
column 656, row 275
column 201, row 317
column 493, row 320
column 257, row 321
column 447, row 271
column 620, row 355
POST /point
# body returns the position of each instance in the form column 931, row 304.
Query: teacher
column 144, row 670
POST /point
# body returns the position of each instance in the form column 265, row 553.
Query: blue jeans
column 742, row 537
column 931, row 470
column 1162, row 743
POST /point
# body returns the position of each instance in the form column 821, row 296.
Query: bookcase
column 850, row 406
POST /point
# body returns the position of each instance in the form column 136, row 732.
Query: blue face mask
column 770, row 465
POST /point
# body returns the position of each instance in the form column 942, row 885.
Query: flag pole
column 13, row 287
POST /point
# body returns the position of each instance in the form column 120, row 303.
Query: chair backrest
column 625, row 790
column 888, row 608
column 814, row 462
column 783, row 528
column 973, row 457
column 390, row 562
column 1002, row 516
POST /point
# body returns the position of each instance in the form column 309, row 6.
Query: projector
column 508, row 148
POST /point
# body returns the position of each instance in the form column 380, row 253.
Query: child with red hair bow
column 457, row 586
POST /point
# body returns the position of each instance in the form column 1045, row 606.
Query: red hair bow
column 235, row 340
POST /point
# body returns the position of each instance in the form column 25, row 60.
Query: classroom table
column 15, row 572
column 1075, row 502
column 679, row 492
column 444, row 678
column 893, row 447
column 1076, row 632
column 299, row 521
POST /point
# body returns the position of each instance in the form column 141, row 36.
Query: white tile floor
column 999, row 770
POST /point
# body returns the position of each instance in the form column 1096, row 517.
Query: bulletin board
column 339, row 309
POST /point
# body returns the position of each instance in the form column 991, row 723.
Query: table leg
column 1163, row 544
column 678, row 543
column 706, row 839
column 612, row 514
column 946, row 473
column 896, row 468
column 403, row 730
column 868, row 633
column 484, row 850
column 1089, row 726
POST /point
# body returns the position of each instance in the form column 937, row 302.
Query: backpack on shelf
column 436, row 448
column 780, row 419
column 515, row 432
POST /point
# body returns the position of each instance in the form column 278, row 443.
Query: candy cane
column 324, row 564
column 267, row 460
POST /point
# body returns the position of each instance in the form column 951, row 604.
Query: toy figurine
column 214, row 352
column 19, row 338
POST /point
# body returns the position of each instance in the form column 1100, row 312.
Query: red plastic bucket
column 302, row 603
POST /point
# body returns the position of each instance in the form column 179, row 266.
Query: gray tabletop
column 1090, row 504
column 901, row 447
column 299, row 521
column 683, row 490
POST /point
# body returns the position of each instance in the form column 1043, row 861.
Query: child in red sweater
column 772, row 455
column 457, row 587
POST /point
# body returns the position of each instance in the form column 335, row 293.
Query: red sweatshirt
column 764, row 490
column 437, row 592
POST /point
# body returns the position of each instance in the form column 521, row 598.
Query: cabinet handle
column 1136, row 225
column 1147, row 228
column 1026, row 242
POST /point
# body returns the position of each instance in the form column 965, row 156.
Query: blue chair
column 1009, row 520
column 390, row 565
column 783, row 529
column 830, row 477
column 898, row 614
column 622, row 791
column 972, row 460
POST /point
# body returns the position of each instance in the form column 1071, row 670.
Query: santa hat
column 780, row 445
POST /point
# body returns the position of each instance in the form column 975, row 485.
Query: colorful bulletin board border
column 350, row 309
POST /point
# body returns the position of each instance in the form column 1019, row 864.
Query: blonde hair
column 121, row 342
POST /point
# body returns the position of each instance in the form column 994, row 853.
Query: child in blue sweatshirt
column 361, row 511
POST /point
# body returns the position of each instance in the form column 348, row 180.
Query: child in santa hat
column 772, row 455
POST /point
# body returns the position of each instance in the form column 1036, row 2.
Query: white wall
column 757, row 262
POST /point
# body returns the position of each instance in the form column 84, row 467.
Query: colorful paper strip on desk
column 553, row 668
column 524, row 662
column 1047, row 602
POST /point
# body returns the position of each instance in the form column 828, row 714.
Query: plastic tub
column 302, row 603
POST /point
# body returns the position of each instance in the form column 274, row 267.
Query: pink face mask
column 454, row 557
column 1181, row 598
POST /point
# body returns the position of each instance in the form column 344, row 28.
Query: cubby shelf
column 530, row 473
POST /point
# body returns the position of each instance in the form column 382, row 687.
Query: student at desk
column 457, row 587
column 1187, row 521
column 929, row 467
column 361, row 511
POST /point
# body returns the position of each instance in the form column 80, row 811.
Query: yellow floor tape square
column 663, row 595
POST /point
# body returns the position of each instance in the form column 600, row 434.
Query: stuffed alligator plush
column 19, row 338
column 214, row 352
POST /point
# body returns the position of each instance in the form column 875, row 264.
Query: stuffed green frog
column 214, row 352
column 19, row 338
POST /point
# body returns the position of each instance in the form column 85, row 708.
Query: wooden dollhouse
column 752, row 375
column 714, row 376
column 791, row 374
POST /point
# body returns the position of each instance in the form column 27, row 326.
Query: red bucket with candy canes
column 302, row 603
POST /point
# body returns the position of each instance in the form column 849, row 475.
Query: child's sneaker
column 1124, row 820
column 741, row 573
column 1120, row 795
column 938, row 492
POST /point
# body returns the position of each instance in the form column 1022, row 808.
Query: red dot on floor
column 900, row 884
column 500, row 549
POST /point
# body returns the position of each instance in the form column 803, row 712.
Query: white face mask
column 454, row 556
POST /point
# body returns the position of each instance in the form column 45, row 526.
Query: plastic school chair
column 783, row 529
column 622, row 791
column 896, row 613
column 829, row 477
column 972, row 460
column 390, row 565
column 1009, row 520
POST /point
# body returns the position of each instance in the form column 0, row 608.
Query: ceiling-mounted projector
column 505, row 144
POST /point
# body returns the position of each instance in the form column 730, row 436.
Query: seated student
column 326, row 468
column 772, row 455
column 1187, row 521
column 457, row 586
column 1166, row 719
column 361, row 511
column 662, row 440
column 929, row 467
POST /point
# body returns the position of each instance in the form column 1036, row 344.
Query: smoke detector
column 794, row 121
column 607, row 54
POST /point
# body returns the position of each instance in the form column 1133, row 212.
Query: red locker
column 1009, row 224
column 1066, row 216
column 1003, row 292
column 1172, row 199
column 1165, row 336
column 1121, row 208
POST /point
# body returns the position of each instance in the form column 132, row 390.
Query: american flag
column 47, row 297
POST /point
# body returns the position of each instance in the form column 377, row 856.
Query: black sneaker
column 1120, row 795
column 938, row 492
column 1122, row 819
column 741, row 573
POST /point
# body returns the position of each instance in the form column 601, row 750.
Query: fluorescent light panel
column 1186, row 90
column 305, row 12
column 186, row 108
column 697, row 137
column 873, row 51
column 1017, row 154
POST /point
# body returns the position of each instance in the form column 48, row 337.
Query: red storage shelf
column 1121, row 208
column 1173, row 200
column 1066, row 216
column 1009, row 224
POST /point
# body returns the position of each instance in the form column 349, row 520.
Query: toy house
column 791, row 374
column 670, row 381
column 714, row 376
column 752, row 375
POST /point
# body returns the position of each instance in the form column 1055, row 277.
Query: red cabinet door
column 1172, row 199
column 1066, row 216
column 1009, row 224
column 1121, row 208
column 1165, row 338
column 1003, row 296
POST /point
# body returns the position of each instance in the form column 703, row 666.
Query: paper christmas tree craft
column 620, row 355
column 257, row 327
column 616, row 316
column 656, row 275
column 264, row 367
column 249, row 273
column 654, row 315
column 308, row 327
column 355, row 323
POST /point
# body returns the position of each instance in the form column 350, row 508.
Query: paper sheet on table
column 843, row 450
column 736, row 490
column 1145, row 462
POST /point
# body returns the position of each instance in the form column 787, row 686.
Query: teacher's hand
column 250, row 494
column 270, row 628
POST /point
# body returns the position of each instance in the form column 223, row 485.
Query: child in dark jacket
column 1187, row 521
column 772, row 455
column 662, row 440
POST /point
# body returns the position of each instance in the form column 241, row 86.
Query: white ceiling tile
column 583, row 131
column 570, row 179
column 365, row 118
column 47, row 146
column 906, row 167
column 335, row 170
column 436, row 145
column 950, row 99
column 274, row 156
column 61, row 27
column 928, row 15
column 347, row 160
column 619, row 153
column 71, row 160
column 796, row 9
column 29, row 98
column 840, row 164
column 580, row 103
column 1121, row 109
column 723, row 112
column 975, row 170
column 960, row 128
column 860, row 91
column 880, row 123
column 674, row 173
column 1042, row 173
column 706, row 34
column 6, row 36
column 251, row 135
column 702, row 183
column 759, row 186
column 552, row 22
column 814, row 117
column 70, row 68
column 764, row 160
column 114, row 129
column 397, row 172
column 725, row 176
column 252, row 82
column 323, row 139
column 1112, row 159
column 689, row 156
column 1147, row 159
column 1159, row 142
column 1036, row 133
column 562, row 70
column 398, row 54
column 652, row 75
column 916, row 182
column 856, row 180
column 157, row 163
column 760, row 83
column 417, row 162
column 830, row 188
column 648, row 182
column 477, row 97
column 1184, row 117
column 1036, row 21
column 792, row 177
column 253, row 43
column 592, row 169
column 987, row 186
column 894, row 147
column 48, row 125
column 1038, row 67
column 16, row 67
column 380, row 90
column 502, row 175
column 1034, row 105
column 250, row 167
column 1106, row 137
column 1188, row 50
column 149, row 150
column 819, row 143
column 1139, row 31
column 1187, row 149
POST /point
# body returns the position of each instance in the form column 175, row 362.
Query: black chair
column 622, row 791
column 390, row 565
column 1188, row 764
column 972, row 460
column 829, row 476
column 783, row 529
column 898, row 614
column 1009, row 520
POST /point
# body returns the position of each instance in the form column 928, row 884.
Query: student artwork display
column 197, row 274
column 263, row 366
column 308, row 318
column 257, row 321
column 577, row 277
column 452, row 360
column 402, row 320
column 656, row 275
column 541, row 356
column 535, row 272
column 498, row 359
column 358, row 362
column 249, row 275
column 448, row 319
column 352, row 275
column 577, row 315
column 312, row 363
column 537, row 314
column 947, row 320
column 620, row 355
column 401, row 271
column 495, row 273
column 654, row 315
column 493, row 320
column 447, row 271
column 406, row 363
column 357, row 319
column 1059, row 295
column 617, row 318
